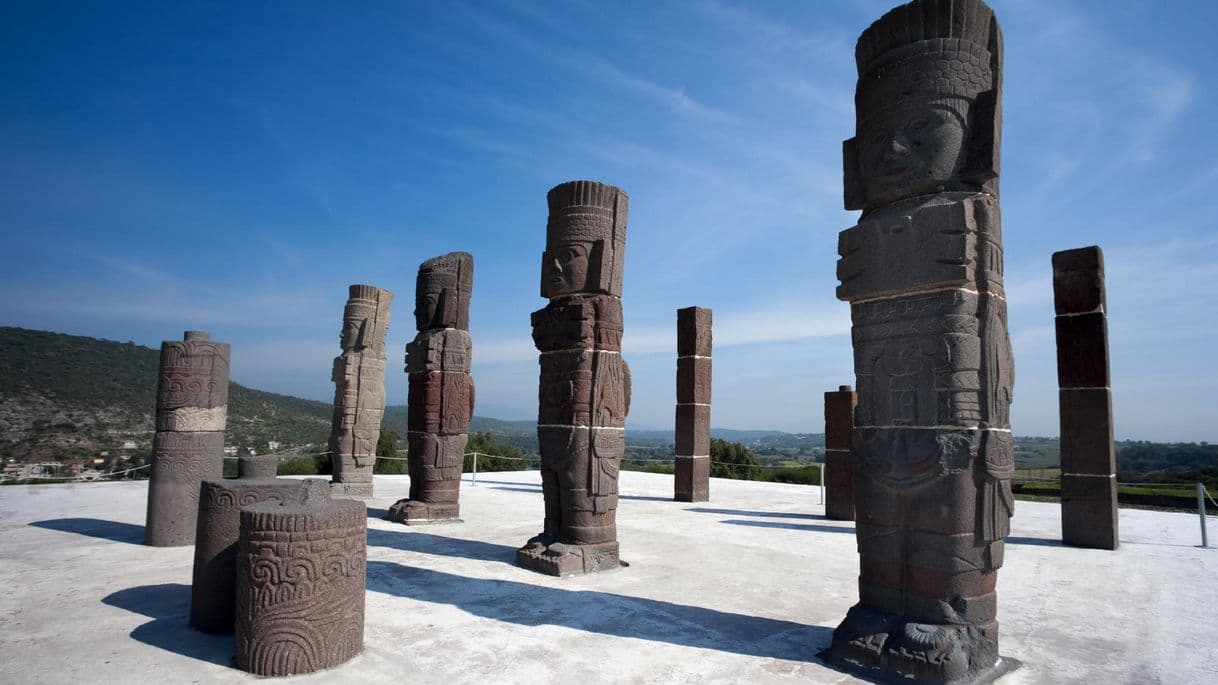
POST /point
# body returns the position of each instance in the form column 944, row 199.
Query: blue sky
column 233, row 166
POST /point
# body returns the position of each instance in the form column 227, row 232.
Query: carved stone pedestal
column 213, row 587
column 301, row 569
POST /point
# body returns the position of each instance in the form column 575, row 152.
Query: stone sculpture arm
column 471, row 397
column 625, row 389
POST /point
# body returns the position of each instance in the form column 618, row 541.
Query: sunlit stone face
column 355, row 317
column 909, row 151
column 566, row 268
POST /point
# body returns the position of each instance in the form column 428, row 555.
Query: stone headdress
column 453, row 276
column 593, row 213
column 367, row 311
column 931, row 52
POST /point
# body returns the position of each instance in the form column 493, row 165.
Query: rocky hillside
column 72, row 396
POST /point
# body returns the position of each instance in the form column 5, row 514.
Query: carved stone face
column 905, row 152
column 566, row 268
column 430, row 304
column 355, row 319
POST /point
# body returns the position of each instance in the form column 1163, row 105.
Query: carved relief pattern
column 300, row 586
column 584, row 384
column 213, row 587
column 191, row 412
column 441, row 390
column 922, row 271
column 359, row 388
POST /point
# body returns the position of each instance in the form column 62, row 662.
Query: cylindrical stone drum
column 213, row 587
column 258, row 468
column 300, row 584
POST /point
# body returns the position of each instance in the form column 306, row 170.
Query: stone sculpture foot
column 885, row 646
column 416, row 513
column 564, row 559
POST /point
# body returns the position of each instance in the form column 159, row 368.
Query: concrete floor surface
column 745, row 588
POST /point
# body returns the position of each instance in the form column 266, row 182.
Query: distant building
column 272, row 445
column 128, row 444
column 231, row 450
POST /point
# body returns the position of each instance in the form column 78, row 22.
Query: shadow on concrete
column 377, row 513
column 792, row 526
column 97, row 528
column 410, row 540
column 480, row 481
column 604, row 613
column 168, row 605
column 769, row 514
column 1043, row 542
column 537, row 490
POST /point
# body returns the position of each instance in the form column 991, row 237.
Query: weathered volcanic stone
column 257, row 467
column 441, row 391
column 922, row 271
column 839, row 465
column 192, row 410
column 301, row 569
column 213, row 588
column 691, row 481
column 584, row 387
column 1088, row 455
column 359, row 390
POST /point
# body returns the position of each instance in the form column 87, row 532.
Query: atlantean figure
column 359, row 390
column 191, row 413
column 441, row 399
column 692, row 437
column 584, row 392
column 922, row 271
column 1088, row 457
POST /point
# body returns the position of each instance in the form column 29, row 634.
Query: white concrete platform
column 746, row 588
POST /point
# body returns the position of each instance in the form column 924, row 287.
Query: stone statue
column 584, row 390
column 191, row 413
column 922, row 271
column 692, row 438
column 359, row 390
column 441, row 398
column 1088, row 456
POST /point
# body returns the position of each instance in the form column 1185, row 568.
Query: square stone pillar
column 692, row 482
column 1088, row 457
column 839, row 465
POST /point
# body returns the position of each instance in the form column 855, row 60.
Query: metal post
column 822, row 480
column 1201, row 510
column 474, row 479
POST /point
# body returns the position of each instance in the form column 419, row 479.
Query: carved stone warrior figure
column 584, row 392
column 191, row 413
column 441, row 399
column 922, row 271
column 359, row 390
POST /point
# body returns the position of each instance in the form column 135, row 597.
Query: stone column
column 441, row 399
column 693, row 404
column 1088, row 456
column 922, row 271
column 839, row 464
column 191, row 413
column 213, row 583
column 359, row 390
column 301, row 568
column 584, row 391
